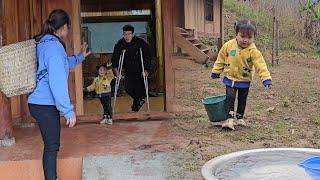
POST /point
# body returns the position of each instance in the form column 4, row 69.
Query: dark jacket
column 132, row 59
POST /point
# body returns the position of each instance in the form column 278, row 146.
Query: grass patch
column 289, row 27
column 200, row 117
column 286, row 101
column 279, row 127
column 258, row 137
column 316, row 120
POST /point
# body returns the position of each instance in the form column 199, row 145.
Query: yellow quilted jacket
column 238, row 65
column 101, row 84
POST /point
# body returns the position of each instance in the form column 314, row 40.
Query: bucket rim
column 203, row 100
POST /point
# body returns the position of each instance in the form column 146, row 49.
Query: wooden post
column 76, row 48
column 278, row 39
column 273, row 41
column 168, row 28
column 6, row 130
column 221, row 26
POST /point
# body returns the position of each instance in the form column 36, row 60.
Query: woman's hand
column 84, row 48
column 72, row 121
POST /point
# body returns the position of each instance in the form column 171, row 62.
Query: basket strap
column 44, row 72
column 39, row 77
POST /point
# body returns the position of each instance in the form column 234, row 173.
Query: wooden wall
column 21, row 20
column 178, row 13
column 6, row 130
column 195, row 16
column 217, row 15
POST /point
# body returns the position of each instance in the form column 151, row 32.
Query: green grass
column 292, row 43
column 279, row 127
column 258, row 137
column 316, row 120
column 286, row 101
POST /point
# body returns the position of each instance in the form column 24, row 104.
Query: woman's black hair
column 56, row 20
column 246, row 27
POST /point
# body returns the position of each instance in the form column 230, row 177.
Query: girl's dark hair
column 246, row 27
column 56, row 20
column 128, row 27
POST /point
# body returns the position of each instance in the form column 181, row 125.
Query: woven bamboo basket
column 18, row 65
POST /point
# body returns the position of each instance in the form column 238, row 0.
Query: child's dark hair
column 246, row 27
column 56, row 20
column 128, row 27
column 102, row 65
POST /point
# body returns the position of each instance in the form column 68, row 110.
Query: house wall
column 21, row 20
column 195, row 17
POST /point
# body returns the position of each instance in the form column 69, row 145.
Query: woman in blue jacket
column 51, row 96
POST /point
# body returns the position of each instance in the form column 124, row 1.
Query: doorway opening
column 101, row 28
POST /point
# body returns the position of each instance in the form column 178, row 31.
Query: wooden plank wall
column 167, row 17
column 178, row 13
column 200, row 12
column 195, row 16
column 6, row 130
column 22, row 19
column 217, row 15
column 12, row 35
column 190, row 14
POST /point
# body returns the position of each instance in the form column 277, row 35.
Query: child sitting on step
column 237, row 60
column 101, row 85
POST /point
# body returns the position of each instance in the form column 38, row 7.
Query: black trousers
column 106, row 104
column 48, row 119
column 230, row 101
column 134, row 86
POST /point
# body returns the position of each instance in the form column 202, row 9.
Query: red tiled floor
column 84, row 139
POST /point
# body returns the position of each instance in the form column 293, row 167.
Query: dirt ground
column 287, row 115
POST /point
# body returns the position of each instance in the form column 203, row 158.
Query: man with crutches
column 132, row 57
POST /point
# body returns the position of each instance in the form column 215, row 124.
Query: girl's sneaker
column 229, row 123
column 104, row 120
column 240, row 122
column 109, row 121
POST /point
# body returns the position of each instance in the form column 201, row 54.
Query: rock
column 292, row 131
column 286, row 118
column 270, row 109
column 269, row 96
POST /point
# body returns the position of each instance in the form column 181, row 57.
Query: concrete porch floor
column 23, row 160
column 123, row 105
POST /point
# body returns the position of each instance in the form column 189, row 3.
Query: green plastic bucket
column 214, row 106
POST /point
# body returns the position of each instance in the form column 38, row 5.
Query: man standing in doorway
column 132, row 66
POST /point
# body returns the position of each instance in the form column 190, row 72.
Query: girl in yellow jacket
column 101, row 85
column 238, row 59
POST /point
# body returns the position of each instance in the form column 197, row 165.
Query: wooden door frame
column 162, row 52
